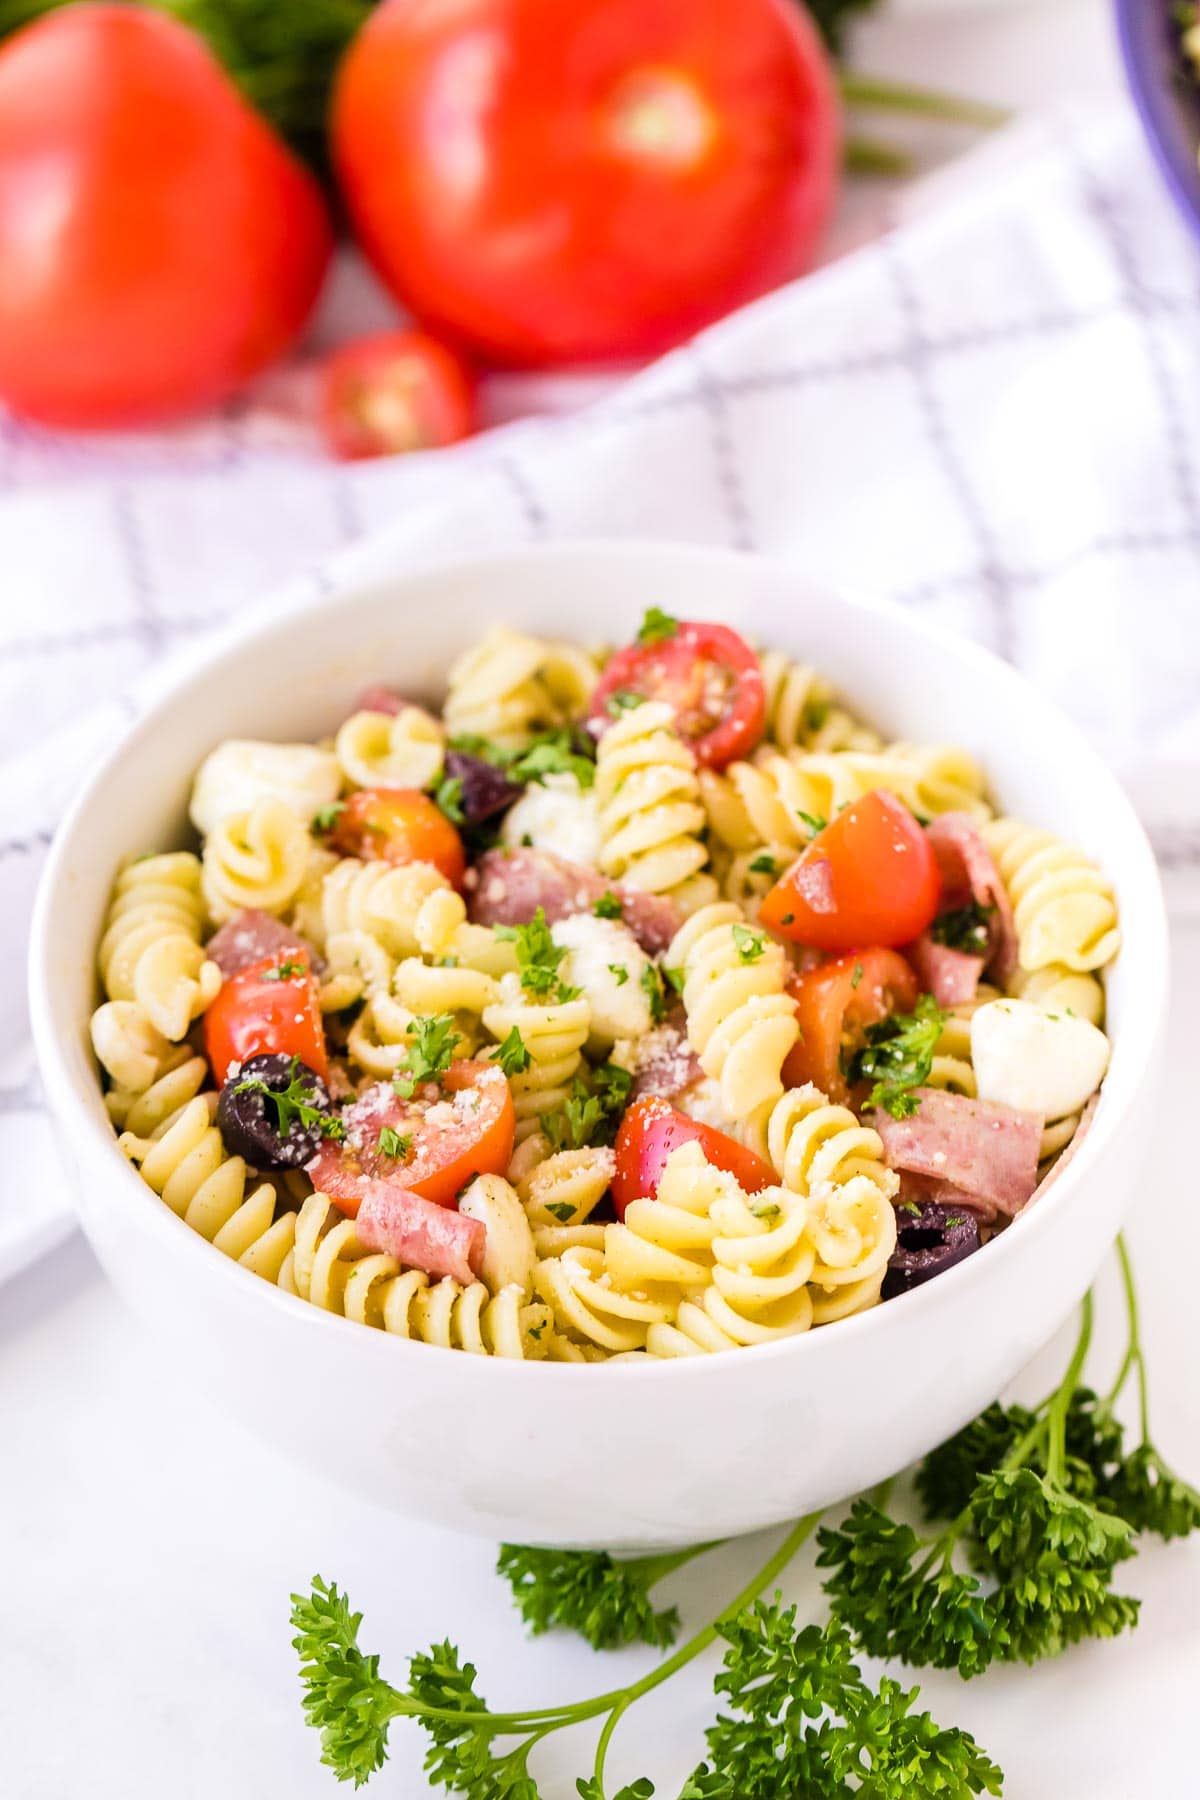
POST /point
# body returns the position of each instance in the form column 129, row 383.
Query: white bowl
column 627, row 1455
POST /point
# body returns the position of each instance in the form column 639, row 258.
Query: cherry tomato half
column 870, row 877
column 401, row 390
column 447, row 1146
column 558, row 182
column 271, row 1006
column 160, row 245
column 652, row 1128
column 707, row 673
column 398, row 825
column 834, row 1005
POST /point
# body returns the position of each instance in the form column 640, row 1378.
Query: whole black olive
column 271, row 1112
column 931, row 1237
column 486, row 790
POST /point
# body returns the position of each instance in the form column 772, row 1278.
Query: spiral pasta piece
column 667, row 1242
column 150, row 952
column 803, row 712
column 741, row 1022
column 184, row 1160
column 1056, row 988
column 378, row 898
column 588, row 1309
column 511, row 685
column 255, row 859
column 144, row 1111
column 465, row 961
column 651, row 815
column 1063, row 907
column 560, row 1191
column 814, row 1144
column 554, row 1035
column 332, row 1269
column 760, row 803
column 396, row 750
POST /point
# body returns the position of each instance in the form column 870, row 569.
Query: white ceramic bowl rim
column 1137, row 1035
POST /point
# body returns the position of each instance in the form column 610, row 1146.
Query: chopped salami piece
column 1060, row 1162
column 983, row 1148
column 951, row 976
column 508, row 886
column 968, row 873
column 248, row 938
column 380, row 699
column 666, row 1064
column 486, row 790
column 419, row 1234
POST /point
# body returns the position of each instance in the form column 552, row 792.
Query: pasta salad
column 632, row 1006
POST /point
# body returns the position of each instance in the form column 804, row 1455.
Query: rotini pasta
column 504, row 1044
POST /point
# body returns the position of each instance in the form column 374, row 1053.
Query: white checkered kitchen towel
column 988, row 414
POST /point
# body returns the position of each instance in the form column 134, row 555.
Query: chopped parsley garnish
column 765, row 1209
column 448, row 799
column 813, row 820
column 609, row 907
column 966, row 928
column 538, row 959
column 591, row 1113
column 562, row 1210
column 623, row 700
column 513, row 1054
column 295, row 1104
column 429, row 1054
column 392, row 1144
column 898, row 1056
column 326, row 817
column 656, row 626
column 763, row 864
column 288, row 970
column 857, row 975
column 619, row 973
column 651, row 985
column 675, row 978
column 553, row 753
column 750, row 945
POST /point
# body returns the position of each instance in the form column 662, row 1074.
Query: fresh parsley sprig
column 429, row 1054
column 296, row 1103
column 605, row 1600
column 592, row 1111
column 898, row 1056
column 538, row 960
column 558, row 752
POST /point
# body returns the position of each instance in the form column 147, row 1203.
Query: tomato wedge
column 271, row 1006
column 652, row 1128
column 707, row 673
column 399, row 390
column 834, row 1005
column 870, row 877
column 448, row 1132
column 398, row 825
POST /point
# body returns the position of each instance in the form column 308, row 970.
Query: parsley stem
column 925, row 103
column 1056, row 1417
column 1134, row 1357
column 653, row 1569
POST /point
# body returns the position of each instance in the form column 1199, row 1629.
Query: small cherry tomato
column 834, row 1005
column 710, row 677
column 400, row 390
column 448, row 1132
column 870, row 877
column 398, row 825
column 652, row 1128
column 268, row 1008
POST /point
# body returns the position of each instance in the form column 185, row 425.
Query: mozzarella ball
column 556, row 814
column 607, row 962
column 1048, row 1063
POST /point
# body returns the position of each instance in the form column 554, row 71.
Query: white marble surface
column 150, row 1546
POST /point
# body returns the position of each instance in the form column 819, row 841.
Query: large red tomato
column 158, row 243
column 574, row 180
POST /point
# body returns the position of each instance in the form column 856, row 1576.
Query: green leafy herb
column 750, row 945
column 651, row 984
column 898, row 1056
column 538, row 959
column 619, row 973
column 656, row 626
column 513, row 1054
column 623, row 700
column 675, row 978
column 813, row 822
column 562, row 1210
column 763, row 864
column 606, row 1601
column 608, row 906
column 288, row 970
column 326, row 817
column 429, row 1054
column 965, row 928
column 764, row 1209
column 857, row 975
column 392, row 1144
column 592, row 1111
column 448, row 799
column 553, row 753
column 296, row 1103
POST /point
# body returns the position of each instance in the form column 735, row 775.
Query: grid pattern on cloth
column 987, row 415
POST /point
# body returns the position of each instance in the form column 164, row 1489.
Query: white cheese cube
column 607, row 962
column 556, row 814
column 1043, row 1062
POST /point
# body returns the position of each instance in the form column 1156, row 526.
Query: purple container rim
column 1171, row 125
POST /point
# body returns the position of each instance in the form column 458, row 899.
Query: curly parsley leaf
column 898, row 1056
column 345, row 1698
column 750, row 944
column 298, row 1102
column 651, row 983
column 448, row 799
column 609, row 906
column 395, row 1145
column 513, row 1054
column 429, row 1054
column 592, row 1111
column 966, row 928
column 656, row 626
column 538, row 959
column 587, row 1591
